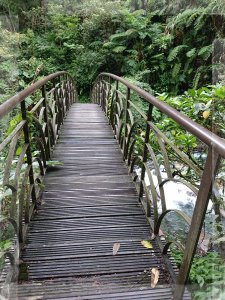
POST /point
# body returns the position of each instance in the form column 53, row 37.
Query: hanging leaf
column 154, row 277
column 146, row 244
column 116, row 248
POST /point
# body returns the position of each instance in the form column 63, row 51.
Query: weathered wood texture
column 89, row 204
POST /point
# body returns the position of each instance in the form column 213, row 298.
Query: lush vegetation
column 166, row 50
column 207, row 275
column 170, row 53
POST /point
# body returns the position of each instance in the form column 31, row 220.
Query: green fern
column 173, row 54
column 197, row 77
column 176, row 70
column 199, row 23
column 119, row 49
column 192, row 18
column 185, row 18
column 130, row 32
column 118, row 36
column 205, row 52
column 191, row 53
column 187, row 65
column 109, row 45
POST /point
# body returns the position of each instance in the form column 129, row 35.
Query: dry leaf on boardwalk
column 154, row 277
column 147, row 244
column 116, row 248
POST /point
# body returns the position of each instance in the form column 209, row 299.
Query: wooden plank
column 89, row 204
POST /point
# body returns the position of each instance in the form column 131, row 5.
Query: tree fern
column 173, row 54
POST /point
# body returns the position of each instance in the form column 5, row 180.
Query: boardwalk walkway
column 89, row 204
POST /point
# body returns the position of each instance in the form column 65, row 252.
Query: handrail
column 8, row 105
column 119, row 108
column 27, row 149
column 206, row 136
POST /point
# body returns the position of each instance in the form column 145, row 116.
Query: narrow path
column 89, row 204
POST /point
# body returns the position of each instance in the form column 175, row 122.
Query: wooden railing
column 132, row 113
column 37, row 114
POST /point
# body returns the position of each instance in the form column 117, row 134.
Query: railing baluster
column 58, row 104
column 116, row 101
column 145, row 154
column 104, row 97
column 113, row 102
column 210, row 170
column 96, row 93
column 28, row 152
column 127, row 106
column 45, row 104
column 99, row 92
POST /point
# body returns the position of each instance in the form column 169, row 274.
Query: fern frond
column 109, row 45
column 197, row 77
column 187, row 65
column 205, row 52
column 199, row 23
column 130, row 32
column 119, row 49
column 192, row 18
column 173, row 54
column 118, row 36
column 191, row 52
column 176, row 70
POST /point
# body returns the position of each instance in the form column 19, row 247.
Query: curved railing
column 132, row 115
column 26, row 144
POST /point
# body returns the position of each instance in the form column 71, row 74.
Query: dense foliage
column 170, row 53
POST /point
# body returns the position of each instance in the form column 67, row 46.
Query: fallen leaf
column 154, row 277
column 147, row 244
column 206, row 114
column 116, row 248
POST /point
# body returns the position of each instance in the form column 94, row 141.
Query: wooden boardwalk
column 89, row 204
